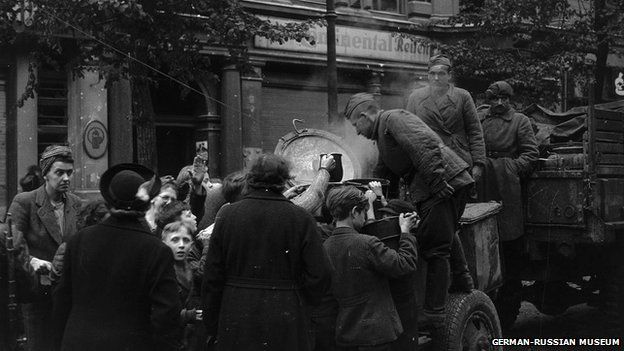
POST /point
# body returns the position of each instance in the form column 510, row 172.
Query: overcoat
column 33, row 215
column 118, row 290
column 511, row 148
column 410, row 148
column 361, row 265
column 454, row 119
column 265, row 267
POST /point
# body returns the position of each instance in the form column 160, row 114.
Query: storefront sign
column 355, row 42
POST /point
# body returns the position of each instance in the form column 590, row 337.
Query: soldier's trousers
column 436, row 232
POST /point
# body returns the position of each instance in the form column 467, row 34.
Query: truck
column 574, row 216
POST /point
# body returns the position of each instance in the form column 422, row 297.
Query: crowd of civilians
column 197, row 263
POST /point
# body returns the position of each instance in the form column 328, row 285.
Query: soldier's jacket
column 454, row 119
column 511, row 148
column 408, row 147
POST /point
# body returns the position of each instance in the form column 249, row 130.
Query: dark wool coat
column 33, row 215
column 454, row 119
column 409, row 148
column 512, row 150
column 361, row 265
column 118, row 290
column 265, row 265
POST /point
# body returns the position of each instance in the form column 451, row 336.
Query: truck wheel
column 471, row 324
column 507, row 302
column 614, row 294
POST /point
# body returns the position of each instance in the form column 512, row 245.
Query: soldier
column 47, row 217
column 511, row 150
column 451, row 113
column 439, row 184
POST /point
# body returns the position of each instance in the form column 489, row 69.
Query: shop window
column 52, row 109
column 394, row 6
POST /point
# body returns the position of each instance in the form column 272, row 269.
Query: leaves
column 530, row 43
column 137, row 38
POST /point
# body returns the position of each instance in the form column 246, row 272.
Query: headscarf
column 357, row 100
column 440, row 60
column 51, row 154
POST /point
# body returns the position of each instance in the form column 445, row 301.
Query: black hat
column 120, row 184
column 396, row 207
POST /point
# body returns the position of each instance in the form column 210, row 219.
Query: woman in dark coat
column 118, row 290
column 265, row 266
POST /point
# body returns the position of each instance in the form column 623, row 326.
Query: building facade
column 241, row 112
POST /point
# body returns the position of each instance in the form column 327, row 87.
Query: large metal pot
column 303, row 147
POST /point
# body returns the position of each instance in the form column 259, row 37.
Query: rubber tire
column 508, row 302
column 460, row 310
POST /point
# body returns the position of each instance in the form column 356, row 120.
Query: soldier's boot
column 461, row 280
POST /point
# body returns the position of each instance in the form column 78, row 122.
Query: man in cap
column 451, row 113
column 511, row 151
column 47, row 217
column 438, row 180
column 118, row 290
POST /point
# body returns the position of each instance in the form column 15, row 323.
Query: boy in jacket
column 361, row 265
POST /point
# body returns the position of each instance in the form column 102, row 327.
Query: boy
column 361, row 265
column 177, row 236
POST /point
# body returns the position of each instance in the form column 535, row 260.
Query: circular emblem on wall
column 95, row 139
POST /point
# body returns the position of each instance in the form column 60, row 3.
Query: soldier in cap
column 511, row 151
column 451, row 113
column 47, row 217
column 438, row 180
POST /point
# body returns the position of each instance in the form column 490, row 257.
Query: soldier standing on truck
column 511, row 151
column 450, row 112
column 439, row 184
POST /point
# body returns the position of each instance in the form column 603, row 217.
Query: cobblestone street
column 578, row 321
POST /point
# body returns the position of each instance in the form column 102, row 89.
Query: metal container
column 387, row 230
column 479, row 236
column 303, row 147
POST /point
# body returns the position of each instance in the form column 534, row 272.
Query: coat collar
column 507, row 116
column 451, row 98
column 128, row 223
column 375, row 135
column 344, row 230
column 265, row 194
column 47, row 216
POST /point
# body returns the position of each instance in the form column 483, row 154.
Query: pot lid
column 304, row 147
column 475, row 212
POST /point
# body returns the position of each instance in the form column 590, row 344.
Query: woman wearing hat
column 118, row 290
